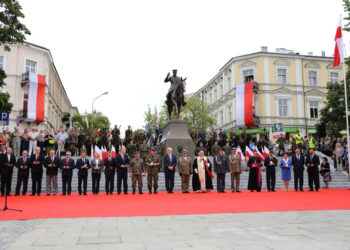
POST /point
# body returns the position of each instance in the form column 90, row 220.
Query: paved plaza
column 273, row 230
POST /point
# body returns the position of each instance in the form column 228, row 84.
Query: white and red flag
column 240, row 153
column 104, row 153
column 36, row 98
column 114, row 153
column 265, row 151
column 260, row 155
column 248, row 152
column 338, row 51
column 245, row 104
column 98, row 150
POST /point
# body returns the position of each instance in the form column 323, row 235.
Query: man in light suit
column 184, row 165
column 96, row 167
column 122, row 162
column 67, row 165
column 83, row 166
column 169, row 163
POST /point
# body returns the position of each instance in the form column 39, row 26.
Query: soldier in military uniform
column 236, row 169
column 131, row 149
column 144, row 149
column 215, row 149
column 184, row 165
column 128, row 136
column 139, row 138
column 137, row 167
column 153, row 163
column 193, row 135
column 200, row 148
column 227, row 149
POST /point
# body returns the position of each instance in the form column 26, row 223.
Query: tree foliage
column 99, row 121
column 197, row 113
column 12, row 31
column 151, row 116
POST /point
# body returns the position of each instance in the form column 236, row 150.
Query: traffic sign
column 5, row 116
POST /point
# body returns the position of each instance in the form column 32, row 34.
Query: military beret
column 234, row 148
column 137, row 153
column 221, row 149
column 184, row 151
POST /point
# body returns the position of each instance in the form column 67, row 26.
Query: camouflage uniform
column 215, row 150
column 144, row 149
column 194, row 137
column 137, row 167
column 131, row 149
column 152, row 172
column 227, row 150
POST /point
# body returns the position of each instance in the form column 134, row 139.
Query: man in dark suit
column 8, row 162
column 312, row 162
column 270, row 163
column 169, row 163
column 51, row 163
column 67, row 165
column 83, row 166
column 298, row 161
column 122, row 162
column 109, row 164
column 36, row 165
column 23, row 165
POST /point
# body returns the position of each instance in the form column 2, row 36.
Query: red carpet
column 171, row 204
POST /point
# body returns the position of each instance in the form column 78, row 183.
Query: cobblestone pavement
column 273, row 230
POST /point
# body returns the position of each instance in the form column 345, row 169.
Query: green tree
column 12, row 31
column 150, row 116
column 99, row 121
column 333, row 112
column 197, row 113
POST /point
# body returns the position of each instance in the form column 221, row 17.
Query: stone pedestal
column 175, row 135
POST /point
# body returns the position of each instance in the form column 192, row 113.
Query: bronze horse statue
column 176, row 99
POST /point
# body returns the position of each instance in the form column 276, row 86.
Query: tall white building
column 17, row 64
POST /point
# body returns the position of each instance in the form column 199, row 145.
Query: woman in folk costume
column 254, row 181
column 201, row 179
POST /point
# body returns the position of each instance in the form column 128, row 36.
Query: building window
column 25, row 105
column 215, row 95
column 334, row 77
column 283, row 107
column 282, row 76
column 210, row 98
column 312, row 78
column 248, row 75
column 228, row 84
column 313, row 109
column 31, row 66
column 222, row 118
column 2, row 62
column 229, row 113
column 205, row 98
column 221, row 91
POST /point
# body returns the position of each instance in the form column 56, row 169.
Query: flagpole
column 346, row 100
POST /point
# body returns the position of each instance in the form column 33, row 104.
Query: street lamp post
column 93, row 102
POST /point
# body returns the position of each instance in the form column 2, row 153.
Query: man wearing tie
column 298, row 168
column 52, row 162
column 8, row 161
column 23, row 173
column 312, row 162
column 270, row 163
column 169, row 163
column 83, row 166
column 96, row 166
column 122, row 162
column 67, row 165
column 109, row 164
column 36, row 165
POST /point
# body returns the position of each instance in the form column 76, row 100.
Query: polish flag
column 114, row 153
column 36, row 98
column 265, row 152
column 98, row 150
column 248, row 152
column 338, row 51
column 104, row 153
column 244, row 104
column 259, row 154
column 240, row 153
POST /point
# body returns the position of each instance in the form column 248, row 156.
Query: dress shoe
column 272, row 191
column 118, row 193
column 311, row 190
column 16, row 194
column 32, row 195
column 126, row 193
column 47, row 194
column 63, row 194
column 150, row 192
column 111, row 193
column 85, row 193
column 238, row 191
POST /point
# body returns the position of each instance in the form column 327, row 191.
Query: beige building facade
column 291, row 89
column 35, row 59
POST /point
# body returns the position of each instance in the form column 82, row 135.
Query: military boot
column 140, row 191
column 150, row 191
column 133, row 191
column 155, row 191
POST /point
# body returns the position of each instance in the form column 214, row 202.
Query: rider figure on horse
column 174, row 80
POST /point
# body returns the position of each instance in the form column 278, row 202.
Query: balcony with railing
column 25, row 79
